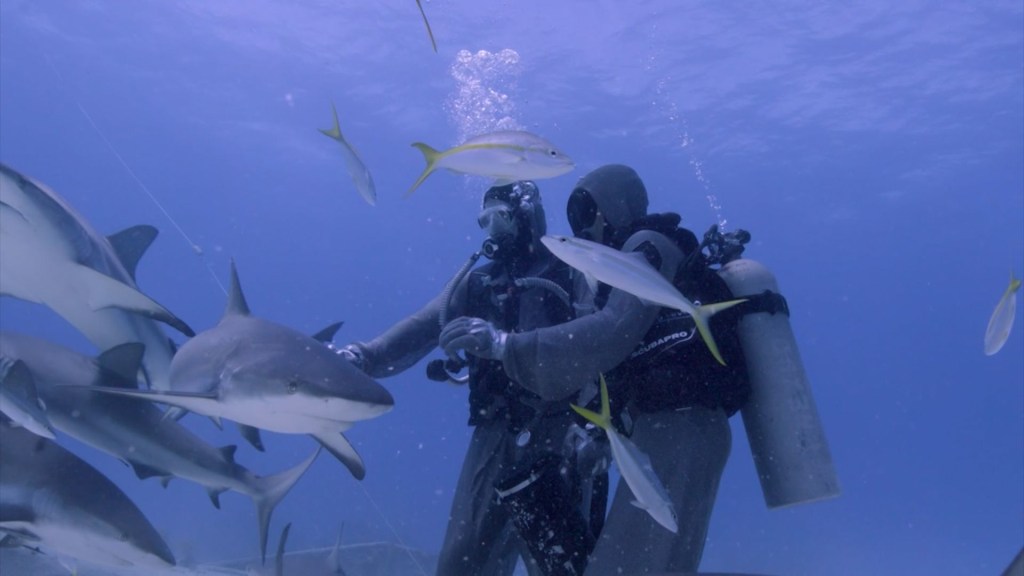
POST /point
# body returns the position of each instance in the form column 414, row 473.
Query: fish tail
column 270, row 490
column 431, row 156
column 704, row 313
column 334, row 132
column 604, row 419
column 429, row 31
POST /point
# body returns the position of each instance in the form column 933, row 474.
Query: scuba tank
column 781, row 419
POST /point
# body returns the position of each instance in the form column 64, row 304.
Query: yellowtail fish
column 356, row 169
column 506, row 156
column 632, row 273
column 427, row 24
column 1001, row 322
column 634, row 466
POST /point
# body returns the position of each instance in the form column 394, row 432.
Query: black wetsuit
column 676, row 422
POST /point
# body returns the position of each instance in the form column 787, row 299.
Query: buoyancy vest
column 673, row 368
column 493, row 295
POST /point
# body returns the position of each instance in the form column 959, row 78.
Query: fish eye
column 553, row 152
column 293, row 386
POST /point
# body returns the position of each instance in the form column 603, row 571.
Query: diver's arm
column 409, row 340
column 557, row 361
column 402, row 345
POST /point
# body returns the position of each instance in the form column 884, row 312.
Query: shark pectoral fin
column 252, row 436
column 214, row 494
column 340, row 448
column 591, row 282
column 638, row 504
column 105, row 292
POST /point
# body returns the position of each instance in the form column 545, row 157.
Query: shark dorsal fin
column 236, row 300
column 131, row 243
column 228, row 452
column 122, row 362
column 327, row 334
column 144, row 471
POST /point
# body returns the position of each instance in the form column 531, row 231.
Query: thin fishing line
column 393, row 531
column 110, row 146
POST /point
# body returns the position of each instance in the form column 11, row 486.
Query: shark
column 268, row 376
column 52, row 499
column 135, row 432
column 51, row 255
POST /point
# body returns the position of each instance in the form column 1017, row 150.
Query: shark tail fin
column 431, row 157
column 604, row 419
column 334, row 132
column 268, row 492
column 281, row 543
column 704, row 313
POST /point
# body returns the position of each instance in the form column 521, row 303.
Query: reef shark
column 136, row 432
column 52, row 499
column 50, row 255
column 267, row 376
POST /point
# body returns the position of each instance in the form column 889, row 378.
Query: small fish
column 506, row 155
column 634, row 466
column 1001, row 322
column 356, row 169
column 427, row 24
column 630, row 272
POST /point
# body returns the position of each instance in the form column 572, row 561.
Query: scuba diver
column 520, row 491
column 668, row 392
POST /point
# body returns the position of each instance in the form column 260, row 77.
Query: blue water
column 875, row 152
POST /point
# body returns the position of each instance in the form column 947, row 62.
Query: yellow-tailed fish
column 506, row 156
column 1001, row 322
column 356, row 169
column 427, row 24
column 634, row 466
column 631, row 272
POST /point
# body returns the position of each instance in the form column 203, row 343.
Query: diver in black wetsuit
column 520, row 492
column 677, row 396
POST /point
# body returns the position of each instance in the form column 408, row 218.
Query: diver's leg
column 688, row 450
column 478, row 541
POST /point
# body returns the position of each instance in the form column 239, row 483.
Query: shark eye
column 293, row 386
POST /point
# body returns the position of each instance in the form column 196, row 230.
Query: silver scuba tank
column 781, row 419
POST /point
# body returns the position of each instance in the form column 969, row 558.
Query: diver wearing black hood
column 519, row 493
column 678, row 397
